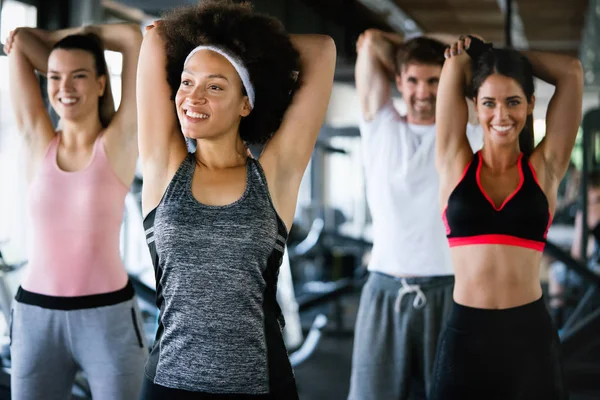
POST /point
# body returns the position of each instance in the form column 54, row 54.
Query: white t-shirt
column 402, row 185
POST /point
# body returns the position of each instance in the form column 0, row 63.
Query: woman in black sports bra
column 500, row 342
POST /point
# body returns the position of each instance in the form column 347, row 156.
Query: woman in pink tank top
column 76, row 308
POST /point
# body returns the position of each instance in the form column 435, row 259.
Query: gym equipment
column 327, row 262
column 579, row 335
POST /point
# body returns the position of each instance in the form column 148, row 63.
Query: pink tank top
column 75, row 220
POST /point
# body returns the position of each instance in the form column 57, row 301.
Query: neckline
column 510, row 196
column 420, row 128
column 87, row 166
column 210, row 206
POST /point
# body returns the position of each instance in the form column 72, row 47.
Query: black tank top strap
column 262, row 186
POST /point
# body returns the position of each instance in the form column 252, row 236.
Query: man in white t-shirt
column 409, row 291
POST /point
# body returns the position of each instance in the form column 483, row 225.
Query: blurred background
column 330, row 241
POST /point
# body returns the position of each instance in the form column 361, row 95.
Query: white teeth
column 68, row 100
column 500, row 128
column 192, row 114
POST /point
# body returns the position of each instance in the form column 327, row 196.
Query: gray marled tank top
column 216, row 270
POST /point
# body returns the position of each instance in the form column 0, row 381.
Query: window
column 12, row 161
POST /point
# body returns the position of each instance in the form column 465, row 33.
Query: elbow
column 575, row 70
column 372, row 36
column 133, row 35
column 575, row 67
column 572, row 75
column 368, row 41
column 330, row 53
column 136, row 31
column 323, row 44
column 318, row 52
column 328, row 47
column 152, row 39
column 19, row 41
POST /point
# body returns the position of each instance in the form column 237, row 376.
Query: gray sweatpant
column 396, row 336
column 49, row 346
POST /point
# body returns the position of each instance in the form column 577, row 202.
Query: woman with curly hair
column 75, row 308
column 216, row 219
column 499, row 342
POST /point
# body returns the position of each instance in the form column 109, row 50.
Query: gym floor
column 326, row 375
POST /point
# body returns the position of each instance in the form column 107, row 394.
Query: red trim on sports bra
column 464, row 173
column 462, row 177
column 549, row 224
column 478, row 179
column 496, row 239
column 535, row 178
column 445, row 220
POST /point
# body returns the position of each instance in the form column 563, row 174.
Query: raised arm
column 26, row 52
column 125, row 39
column 564, row 110
column 287, row 154
column 451, row 113
column 374, row 69
column 158, row 133
column 47, row 39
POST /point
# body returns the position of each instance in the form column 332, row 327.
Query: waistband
column 528, row 317
column 76, row 302
column 405, row 286
column 393, row 283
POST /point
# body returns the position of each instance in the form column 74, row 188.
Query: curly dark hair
column 420, row 50
column 258, row 40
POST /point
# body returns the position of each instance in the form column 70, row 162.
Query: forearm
column 395, row 39
column 451, row 103
column 446, row 38
column 316, row 51
column 53, row 37
column 381, row 48
column 119, row 37
column 29, row 42
column 460, row 72
column 372, row 80
column 553, row 68
column 115, row 37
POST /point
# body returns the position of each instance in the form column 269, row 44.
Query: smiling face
column 502, row 108
column 74, row 88
column 418, row 84
column 209, row 100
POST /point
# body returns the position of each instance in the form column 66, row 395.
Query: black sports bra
column 522, row 220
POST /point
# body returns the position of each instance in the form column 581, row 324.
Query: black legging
column 505, row 354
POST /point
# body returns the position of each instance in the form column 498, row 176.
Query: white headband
column 237, row 64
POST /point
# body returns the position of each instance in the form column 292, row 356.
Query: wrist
column 477, row 48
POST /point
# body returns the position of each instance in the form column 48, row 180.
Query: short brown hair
column 420, row 50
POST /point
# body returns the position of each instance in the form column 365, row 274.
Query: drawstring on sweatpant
column 418, row 302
